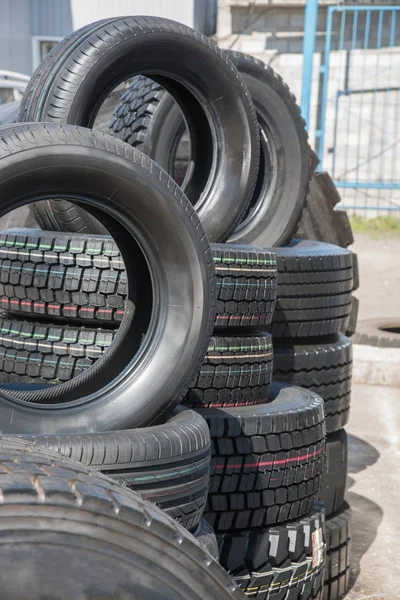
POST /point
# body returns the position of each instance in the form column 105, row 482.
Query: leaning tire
column 286, row 561
column 325, row 367
column 207, row 539
column 237, row 371
column 121, row 390
column 150, row 120
column 315, row 281
column 169, row 464
column 101, row 539
column 338, row 549
column 213, row 97
column 267, row 460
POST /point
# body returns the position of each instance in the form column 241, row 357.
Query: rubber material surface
column 285, row 562
column 319, row 219
column 246, row 285
column 168, row 464
column 237, row 371
column 60, row 517
column 79, row 278
column 324, row 366
column 335, row 472
column 32, row 352
column 77, row 75
column 267, row 460
column 384, row 333
column 315, row 281
column 207, row 539
column 338, row 554
column 124, row 388
column 148, row 118
column 82, row 278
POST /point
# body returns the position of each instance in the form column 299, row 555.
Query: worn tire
column 315, row 281
column 319, row 220
column 124, row 388
column 324, row 366
column 79, row 278
column 169, row 463
column 73, row 80
column 149, row 118
column 338, row 554
column 285, row 562
column 101, row 539
column 38, row 353
column 267, row 460
column 237, row 371
column 335, row 473
column 383, row 333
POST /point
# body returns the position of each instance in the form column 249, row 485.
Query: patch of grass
column 385, row 225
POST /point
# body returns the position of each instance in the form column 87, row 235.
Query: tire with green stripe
column 168, row 464
column 81, row 278
column 284, row 562
column 237, row 371
column 42, row 353
column 77, row 278
column 267, row 460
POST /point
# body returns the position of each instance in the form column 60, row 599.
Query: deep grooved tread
column 267, row 460
column 32, row 352
column 315, row 281
column 338, row 547
column 323, row 366
column 285, row 562
column 60, row 506
column 236, row 371
column 81, row 278
column 335, row 472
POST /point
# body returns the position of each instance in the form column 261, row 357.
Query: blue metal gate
column 358, row 125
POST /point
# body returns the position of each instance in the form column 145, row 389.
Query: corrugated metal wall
column 15, row 36
column 51, row 17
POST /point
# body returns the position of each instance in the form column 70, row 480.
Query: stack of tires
column 199, row 355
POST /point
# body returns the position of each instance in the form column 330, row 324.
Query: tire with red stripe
column 81, row 279
column 169, row 463
column 267, row 460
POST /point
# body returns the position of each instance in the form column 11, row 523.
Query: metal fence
column 358, row 122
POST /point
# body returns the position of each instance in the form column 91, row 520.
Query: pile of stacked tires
column 178, row 339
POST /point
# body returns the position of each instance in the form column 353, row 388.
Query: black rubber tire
column 319, row 219
column 315, row 281
column 207, row 539
column 267, row 460
column 338, row 554
column 246, row 285
column 169, row 464
column 237, row 371
column 82, row 279
column 383, row 333
column 102, row 540
column 324, row 366
column 352, row 324
column 38, row 353
column 73, row 278
column 9, row 113
column 335, row 473
column 74, row 79
column 149, row 119
column 120, row 390
column 285, row 562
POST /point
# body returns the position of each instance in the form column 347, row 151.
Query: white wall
column 87, row 11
